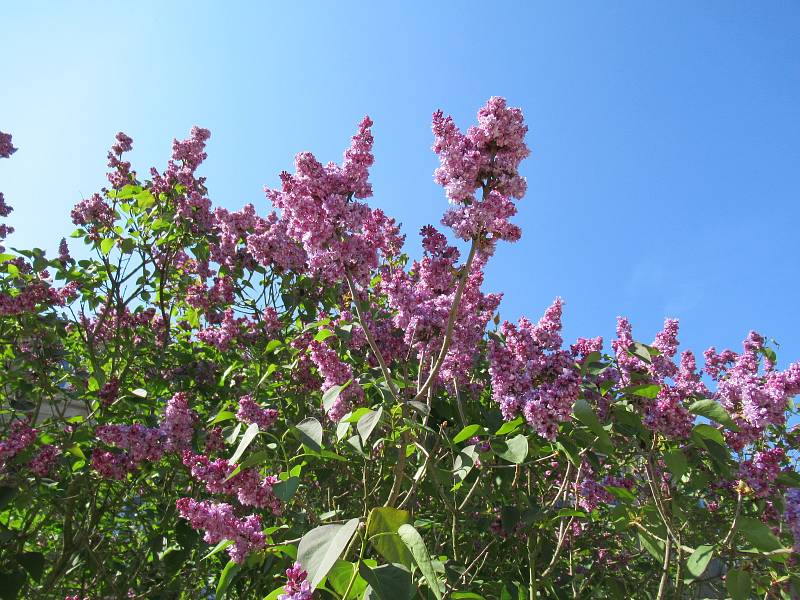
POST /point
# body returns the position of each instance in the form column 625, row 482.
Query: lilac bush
column 277, row 402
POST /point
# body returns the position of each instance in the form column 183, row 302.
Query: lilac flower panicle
column 220, row 523
column 297, row 586
column 531, row 374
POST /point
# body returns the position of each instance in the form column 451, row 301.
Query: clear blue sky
column 664, row 177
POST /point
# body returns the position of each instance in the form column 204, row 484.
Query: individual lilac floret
column 297, row 586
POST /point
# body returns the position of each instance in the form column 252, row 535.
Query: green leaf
column 226, row 578
column 738, row 584
column 218, row 548
column 653, row 546
column 711, row 409
column 310, row 431
column 706, row 431
column 285, row 490
column 382, row 526
column 367, row 424
column 789, row 478
column 223, row 415
column 698, row 561
column 759, row 534
column 77, row 452
column 321, row 547
column 645, row 390
column 515, row 450
column 331, row 394
column 414, row 542
column 33, row 563
column 256, row 458
column 249, row 435
column 585, row 414
column 387, row 582
column 676, row 463
column 323, row 334
column 464, row 462
column 640, row 351
column 510, row 426
column 466, row 433
column 339, row 578
column 106, row 245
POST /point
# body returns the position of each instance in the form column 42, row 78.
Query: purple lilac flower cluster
column 247, row 485
column 487, row 157
column 6, row 150
column 140, row 443
column 422, row 299
column 755, row 399
column 297, row 586
column 20, row 436
column 220, row 523
column 531, row 374
column 761, row 471
column 335, row 372
column 250, row 412
column 791, row 514
column 667, row 413
column 120, row 175
column 339, row 234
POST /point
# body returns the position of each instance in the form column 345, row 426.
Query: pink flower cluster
column 486, row 158
column 232, row 328
column 242, row 237
column 44, row 460
column 220, row 523
column 250, row 412
column 93, row 213
column 6, row 147
column 247, row 485
column 667, row 413
column 532, row 374
column 754, row 398
column 339, row 234
column 121, row 173
column 422, row 299
column 20, row 436
column 190, row 201
column 6, row 150
column 791, row 514
column 335, row 372
column 761, row 471
column 297, row 586
column 141, row 443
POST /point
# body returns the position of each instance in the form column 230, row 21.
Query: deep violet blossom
column 297, row 586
